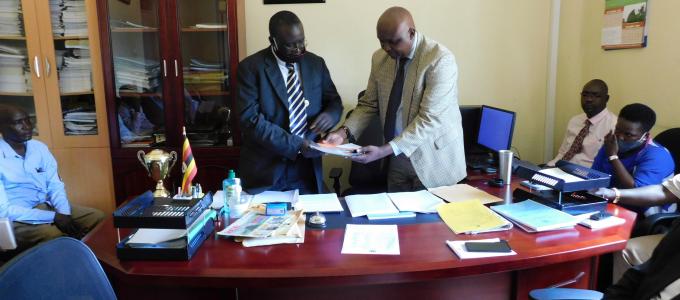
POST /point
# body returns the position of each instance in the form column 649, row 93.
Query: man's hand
column 611, row 146
column 372, row 153
column 605, row 193
column 66, row 225
column 322, row 123
column 336, row 137
column 308, row 152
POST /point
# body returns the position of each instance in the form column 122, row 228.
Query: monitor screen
column 495, row 128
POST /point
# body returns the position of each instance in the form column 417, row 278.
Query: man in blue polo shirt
column 32, row 195
column 630, row 155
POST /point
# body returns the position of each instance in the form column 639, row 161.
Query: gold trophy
column 158, row 164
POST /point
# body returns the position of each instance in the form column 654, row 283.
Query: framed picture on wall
column 292, row 1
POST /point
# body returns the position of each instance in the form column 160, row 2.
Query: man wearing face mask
column 286, row 98
column 630, row 155
column 413, row 87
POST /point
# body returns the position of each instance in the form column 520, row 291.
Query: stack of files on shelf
column 78, row 122
column 535, row 217
column 471, row 217
column 69, row 17
column 11, row 20
column 13, row 70
column 383, row 204
column 75, row 73
column 136, row 75
column 204, row 77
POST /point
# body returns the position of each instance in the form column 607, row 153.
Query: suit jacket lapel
column 306, row 76
column 410, row 81
column 275, row 78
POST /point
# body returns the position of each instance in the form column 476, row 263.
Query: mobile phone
column 600, row 216
column 500, row 246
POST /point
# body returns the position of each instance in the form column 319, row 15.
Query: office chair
column 564, row 293
column 63, row 268
column 661, row 222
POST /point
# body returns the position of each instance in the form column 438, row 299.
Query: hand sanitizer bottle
column 226, row 186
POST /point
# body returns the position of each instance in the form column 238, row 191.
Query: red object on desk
column 425, row 269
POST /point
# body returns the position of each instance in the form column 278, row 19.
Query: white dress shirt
column 602, row 123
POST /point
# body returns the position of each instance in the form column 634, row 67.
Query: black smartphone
column 600, row 216
column 501, row 246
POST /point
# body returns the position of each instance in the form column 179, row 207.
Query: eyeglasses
column 591, row 94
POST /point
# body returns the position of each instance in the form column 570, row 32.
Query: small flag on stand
column 188, row 165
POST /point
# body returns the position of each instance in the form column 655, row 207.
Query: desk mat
column 338, row 220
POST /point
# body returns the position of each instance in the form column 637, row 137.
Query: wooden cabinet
column 169, row 65
column 50, row 66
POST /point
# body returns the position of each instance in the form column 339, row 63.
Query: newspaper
column 257, row 225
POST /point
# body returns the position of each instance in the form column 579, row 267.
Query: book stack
column 74, row 70
column 136, row 75
column 80, row 123
column 11, row 21
column 204, row 76
column 69, row 17
column 13, row 70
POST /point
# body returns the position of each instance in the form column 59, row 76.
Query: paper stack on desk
column 471, row 217
column 535, row 217
column 462, row 192
column 384, row 203
column 255, row 229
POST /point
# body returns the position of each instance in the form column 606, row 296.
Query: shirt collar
column 8, row 151
column 413, row 47
column 599, row 117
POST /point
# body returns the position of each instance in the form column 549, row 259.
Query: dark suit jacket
column 647, row 280
column 263, row 107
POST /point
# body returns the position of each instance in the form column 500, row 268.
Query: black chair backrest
column 671, row 140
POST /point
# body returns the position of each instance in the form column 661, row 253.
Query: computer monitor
column 495, row 129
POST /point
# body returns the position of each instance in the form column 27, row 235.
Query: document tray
column 145, row 211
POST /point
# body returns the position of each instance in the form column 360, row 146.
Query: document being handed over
column 345, row 150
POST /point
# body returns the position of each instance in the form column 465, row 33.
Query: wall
column 501, row 48
column 647, row 75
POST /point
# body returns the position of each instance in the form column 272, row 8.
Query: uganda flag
column 188, row 165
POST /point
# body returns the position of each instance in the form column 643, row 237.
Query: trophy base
column 161, row 193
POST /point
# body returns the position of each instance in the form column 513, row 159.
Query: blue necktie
column 297, row 108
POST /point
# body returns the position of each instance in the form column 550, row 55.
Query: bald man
column 413, row 87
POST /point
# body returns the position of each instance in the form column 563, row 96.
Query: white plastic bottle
column 234, row 195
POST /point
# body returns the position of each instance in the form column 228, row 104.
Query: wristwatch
column 613, row 157
column 617, row 195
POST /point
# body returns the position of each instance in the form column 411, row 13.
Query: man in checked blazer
column 286, row 98
column 413, row 88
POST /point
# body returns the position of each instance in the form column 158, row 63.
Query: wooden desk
column 426, row 268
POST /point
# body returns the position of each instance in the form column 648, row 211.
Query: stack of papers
column 75, row 73
column 11, row 21
column 69, row 17
column 13, row 70
column 463, row 192
column 80, row 123
column 205, row 76
column 136, row 75
column 458, row 247
column 384, row 203
column 273, row 196
column 471, row 217
column 535, row 217
column 371, row 239
column 344, row 150
column 319, row 203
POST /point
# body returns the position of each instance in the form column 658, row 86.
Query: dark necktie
column 577, row 145
column 394, row 102
column 297, row 112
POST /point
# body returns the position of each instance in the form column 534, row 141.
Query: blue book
column 533, row 216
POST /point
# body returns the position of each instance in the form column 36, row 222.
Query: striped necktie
column 297, row 105
column 577, row 145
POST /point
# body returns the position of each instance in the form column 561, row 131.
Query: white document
column 371, row 239
column 420, row 201
column 346, row 150
column 458, row 247
column 361, row 205
column 155, row 236
column 319, row 203
column 558, row 173
column 271, row 196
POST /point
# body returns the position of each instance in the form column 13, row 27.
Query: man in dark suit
column 286, row 98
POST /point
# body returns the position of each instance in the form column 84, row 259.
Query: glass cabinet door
column 135, row 46
column 204, row 46
column 20, row 64
column 73, row 66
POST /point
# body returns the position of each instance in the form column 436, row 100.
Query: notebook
column 533, row 216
